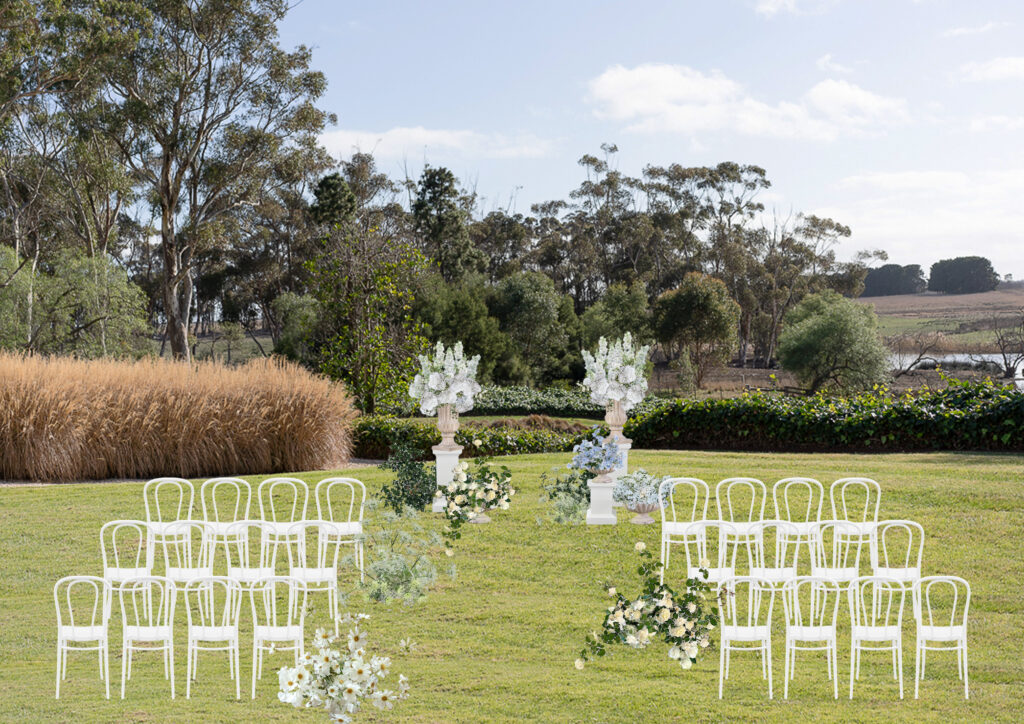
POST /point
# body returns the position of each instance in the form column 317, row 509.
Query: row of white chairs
column 213, row 606
column 811, row 607
column 895, row 549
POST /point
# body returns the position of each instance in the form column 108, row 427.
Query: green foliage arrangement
column 472, row 492
column 414, row 482
column 967, row 415
column 399, row 566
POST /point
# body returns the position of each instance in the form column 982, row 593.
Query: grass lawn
column 498, row 642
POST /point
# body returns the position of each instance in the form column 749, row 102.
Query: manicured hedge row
column 964, row 416
column 493, row 400
column 374, row 435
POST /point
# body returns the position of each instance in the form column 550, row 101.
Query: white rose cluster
column 471, row 494
column 338, row 675
column 446, row 378
column 616, row 372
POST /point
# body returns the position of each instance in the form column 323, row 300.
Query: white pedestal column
column 600, row 511
column 447, row 458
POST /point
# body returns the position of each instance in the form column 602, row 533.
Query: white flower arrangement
column 471, row 494
column 338, row 675
column 447, row 378
column 638, row 488
column 616, row 372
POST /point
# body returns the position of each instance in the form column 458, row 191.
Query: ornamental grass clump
column 67, row 419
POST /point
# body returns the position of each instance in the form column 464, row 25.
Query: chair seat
column 837, row 575
column 213, row 633
column 220, row 528
column 249, row 575
column 856, row 528
column 345, row 530
column 746, row 633
column 715, row 575
column 811, row 633
column 739, row 528
column 278, row 633
column 670, row 528
column 184, row 575
column 120, row 575
column 942, row 633
column 773, row 575
column 876, row 633
column 803, row 528
column 281, row 528
column 315, row 575
column 159, row 528
column 80, row 634
column 903, row 575
column 145, row 634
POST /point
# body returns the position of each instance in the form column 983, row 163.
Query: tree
column 832, row 342
column 441, row 225
column 202, row 109
column 697, row 321
column 622, row 309
column 963, row 275
column 890, row 279
column 1009, row 339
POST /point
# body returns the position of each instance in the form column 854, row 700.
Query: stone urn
column 644, row 510
column 448, row 424
column 615, row 418
column 600, row 511
column 447, row 453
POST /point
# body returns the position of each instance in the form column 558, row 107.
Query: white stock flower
column 579, row 664
column 640, row 546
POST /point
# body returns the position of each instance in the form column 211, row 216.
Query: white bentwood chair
column 317, row 569
column 835, row 552
column 876, row 610
column 213, row 605
column 250, row 556
column 845, row 495
column 672, row 531
column 933, row 636
column 167, row 500
column 188, row 551
column 799, row 501
column 897, row 547
column 754, row 627
column 730, row 498
column 87, row 633
column 283, row 502
column 146, row 627
column 278, row 625
column 811, row 607
column 127, row 549
column 778, row 566
column 224, row 501
column 336, row 504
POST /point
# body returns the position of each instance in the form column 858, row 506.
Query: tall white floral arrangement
column 446, row 378
column 616, row 372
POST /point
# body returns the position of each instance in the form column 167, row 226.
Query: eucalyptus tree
column 441, row 225
column 202, row 109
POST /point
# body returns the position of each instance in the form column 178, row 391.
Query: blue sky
column 902, row 118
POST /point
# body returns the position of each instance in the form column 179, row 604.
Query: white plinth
column 600, row 511
column 624, row 467
column 447, row 459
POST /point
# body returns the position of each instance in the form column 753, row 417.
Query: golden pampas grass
column 66, row 419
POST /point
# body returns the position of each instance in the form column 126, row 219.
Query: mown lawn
column 498, row 642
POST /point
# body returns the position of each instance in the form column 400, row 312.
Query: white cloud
column 907, row 181
column 1008, row 68
column 828, row 65
column 771, row 8
column 983, row 124
column 401, row 141
column 972, row 30
column 674, row 98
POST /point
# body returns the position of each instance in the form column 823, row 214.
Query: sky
column 903, row 119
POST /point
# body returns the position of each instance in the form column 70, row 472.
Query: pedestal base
column 482, row 518
column 447, row 458
column 624, row 446
column 600, row 511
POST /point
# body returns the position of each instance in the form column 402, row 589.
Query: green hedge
column 373, row 437
column 493, row 400
column 964, row 416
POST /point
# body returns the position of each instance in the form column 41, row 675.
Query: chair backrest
column 274, row 600
column 731, row 495
column 834, row 545
column 79, row 594
column 248, row 545
column 189, row 544
column 326, row 550
column 752, row 604
column 126, row 545
column 213, row 601
column 811, row 601
column 936, row 595
column 225, row 500
column 783, row 538
column 876, row 601
column 293, row 497
column 897, row 544
column 846, row 494
column 709, row 540
column 147, row 601
column 168, row 499
column 800, row 500
column 691, row 488
column 336, row 500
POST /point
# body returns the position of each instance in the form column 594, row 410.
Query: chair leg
column 255, row 665
column 238, row 673
column 787, row 672
column 59, row 650
column 899, row 662
column 721, row 669
column 835, row 667
column 853, row 654
column 170, row 659
column 188, row 669
column 917, row 667
column 967, row 694
column 124, row 666
column 768, row 655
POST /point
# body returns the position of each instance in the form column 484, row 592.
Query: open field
column 497, row 643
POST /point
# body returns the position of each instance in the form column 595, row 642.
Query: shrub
column 414, row 482
column 967, row 415
column 576, row 402
column 66, row 419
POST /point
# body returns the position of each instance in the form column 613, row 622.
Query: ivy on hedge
column 967, row 415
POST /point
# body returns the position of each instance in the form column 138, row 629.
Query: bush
column 967, row 415
column 414, row 482
column 575, row 402
column 376, row 436
column 66, row 419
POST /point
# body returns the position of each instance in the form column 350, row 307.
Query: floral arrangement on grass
column 683, row 620
column 337, row 675
column 616, row 372
column 447, row 378
column 596, row 453
column 637, row 489
column 474, row 491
